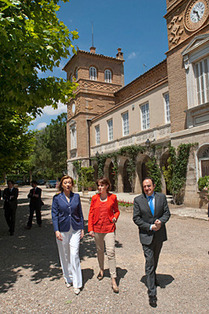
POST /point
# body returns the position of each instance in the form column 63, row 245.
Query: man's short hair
column 149, row 178
column 10, row 181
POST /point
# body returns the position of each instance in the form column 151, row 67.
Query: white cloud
column 48, row 110
column 41, row 125
column 132, row 55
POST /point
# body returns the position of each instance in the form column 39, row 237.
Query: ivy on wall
column 131, row 153
column 153, row 171
column 176, row 171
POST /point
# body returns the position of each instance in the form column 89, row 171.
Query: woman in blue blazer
column 68, row 225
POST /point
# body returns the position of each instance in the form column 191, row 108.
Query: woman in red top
column 103, row 215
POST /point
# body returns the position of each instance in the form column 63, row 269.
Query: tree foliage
column 16, row 142
column 32, row 40
column 50, row 152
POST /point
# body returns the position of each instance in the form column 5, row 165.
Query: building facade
column 167, row 104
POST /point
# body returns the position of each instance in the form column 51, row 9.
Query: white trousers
column 69, row 257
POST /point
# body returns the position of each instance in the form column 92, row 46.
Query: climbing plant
column 153, row 171
column 77, row 165
column 175, row 174
column 131, row 153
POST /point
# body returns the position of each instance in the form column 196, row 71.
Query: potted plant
column 87, row 178
column 203, row 185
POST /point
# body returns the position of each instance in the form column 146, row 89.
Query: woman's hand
column 114, row 220
column 91, row 233
column 58, row 235
column 82, row 234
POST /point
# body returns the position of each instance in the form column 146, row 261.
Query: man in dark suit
column 151, row 212
column 35, row 204
column 10, row 195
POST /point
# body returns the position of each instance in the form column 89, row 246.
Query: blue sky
column 135, row 26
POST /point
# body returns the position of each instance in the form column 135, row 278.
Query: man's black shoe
column 153, row 301
column 157, row 283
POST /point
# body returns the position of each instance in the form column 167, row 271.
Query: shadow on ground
column 162, row 279
column 33, row 252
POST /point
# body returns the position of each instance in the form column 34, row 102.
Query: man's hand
column 158, row 224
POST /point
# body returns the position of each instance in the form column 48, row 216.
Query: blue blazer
column 66, row 214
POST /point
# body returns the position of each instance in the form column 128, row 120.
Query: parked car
column 19, row 182
column 51, row 184
column 41, row 182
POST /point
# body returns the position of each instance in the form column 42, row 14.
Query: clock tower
column 188, row 81
column 98, row 78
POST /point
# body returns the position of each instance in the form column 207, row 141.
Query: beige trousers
column 109, row 239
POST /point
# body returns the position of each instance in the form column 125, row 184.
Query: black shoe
column 157, row 283
column 153, row 301
column 27, row 227
column 11, row 233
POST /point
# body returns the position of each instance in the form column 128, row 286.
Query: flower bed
column 127, row 206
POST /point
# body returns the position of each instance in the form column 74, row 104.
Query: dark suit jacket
column 143, row 217
column 35, row 201
column 10, row 198
column 65, row 214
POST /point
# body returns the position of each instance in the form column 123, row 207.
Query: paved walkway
column 31, row 280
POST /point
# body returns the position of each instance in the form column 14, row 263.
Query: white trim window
column 145, row 121
column 73, row 137
column 97, row 134
column 93, row 73
column 108, row 76
column 125, row 123
column 201, row 70
column 110, row 129
column 167, row 107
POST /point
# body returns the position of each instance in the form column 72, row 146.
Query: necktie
column 151, row 205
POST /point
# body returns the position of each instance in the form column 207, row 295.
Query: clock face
column 196, row 14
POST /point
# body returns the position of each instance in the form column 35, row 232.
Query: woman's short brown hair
column 105, row 181
column 60, row 188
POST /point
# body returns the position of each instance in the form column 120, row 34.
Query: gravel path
column 31, row 280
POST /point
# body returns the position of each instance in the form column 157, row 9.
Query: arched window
column 93, row 73
column 76, row 74
column 108, row 76
column 203, row 159
column 71, row 78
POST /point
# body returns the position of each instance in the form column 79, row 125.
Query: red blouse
column 101, row 214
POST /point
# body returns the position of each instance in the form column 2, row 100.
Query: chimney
column 92, row 50
column 119, row 55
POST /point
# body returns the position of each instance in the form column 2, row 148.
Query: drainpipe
column 89, row 142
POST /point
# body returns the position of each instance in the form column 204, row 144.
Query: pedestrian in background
column 68, row 222
column 10, row 195
column 103, row 216
column 35, row 204
column 150, row 214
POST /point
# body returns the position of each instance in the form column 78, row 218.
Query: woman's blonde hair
column 60, row 188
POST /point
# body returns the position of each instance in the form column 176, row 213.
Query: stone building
column 167, row 104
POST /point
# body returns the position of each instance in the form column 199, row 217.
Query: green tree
column 32, row 40
column 50, row 152
column 16, row 142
